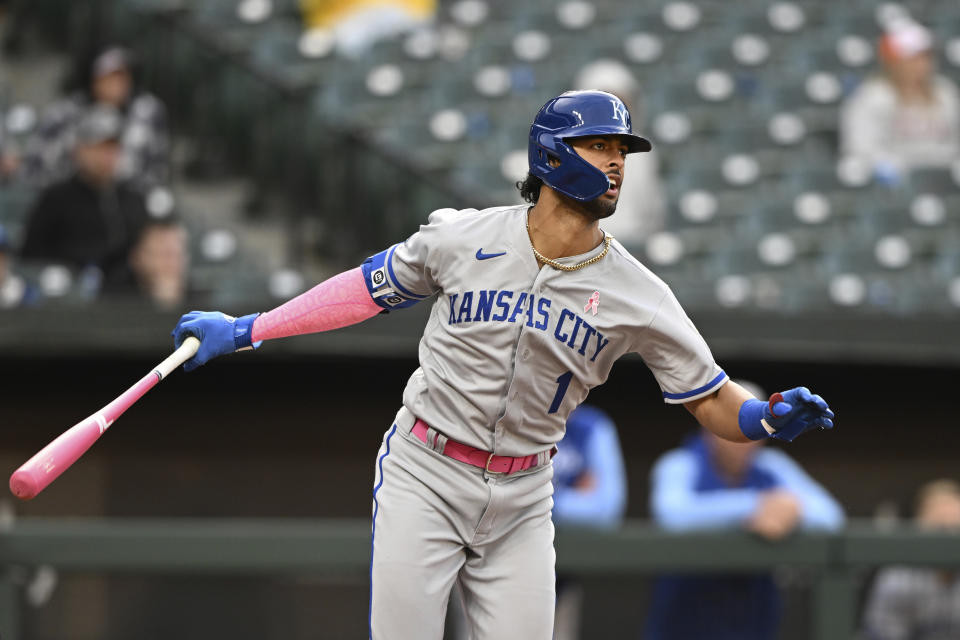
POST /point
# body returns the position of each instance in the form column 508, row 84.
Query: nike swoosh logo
column 486, row 256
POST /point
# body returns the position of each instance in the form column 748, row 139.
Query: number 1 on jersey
column 562, row 383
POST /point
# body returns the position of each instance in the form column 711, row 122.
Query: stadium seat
column 232, row 26
column 280, row 53
column 933, row 180
column 858, row 18
column 15, row 203
column 740, row 100
column 945, row 261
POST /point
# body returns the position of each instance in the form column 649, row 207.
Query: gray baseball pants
column 437, row 521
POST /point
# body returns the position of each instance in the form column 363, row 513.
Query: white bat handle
column 186, row 351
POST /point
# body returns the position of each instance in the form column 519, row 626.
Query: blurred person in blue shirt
column 589, row 490
column 713, row 484
column 589, row 481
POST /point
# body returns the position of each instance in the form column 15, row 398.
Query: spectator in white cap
column 908, row 116
column 144, row 139
column 641, row 208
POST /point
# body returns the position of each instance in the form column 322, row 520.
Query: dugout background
column 275, row 435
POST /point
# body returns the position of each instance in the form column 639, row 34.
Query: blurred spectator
column 589, row 481
column 89, row 219
column 159, row 263
column 357, row 24
column 589, row 490
column 908, row 116
column 9, row 160
column 710, row 484
column 641, row 208
column 144, row 160
column 908, row 603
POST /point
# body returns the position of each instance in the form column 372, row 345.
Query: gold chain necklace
column 569, row 267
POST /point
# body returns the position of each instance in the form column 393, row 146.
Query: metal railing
column 290, row 547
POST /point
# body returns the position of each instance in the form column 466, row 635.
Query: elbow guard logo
column 381, row 291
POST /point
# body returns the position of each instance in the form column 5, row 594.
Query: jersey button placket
column 513, row 393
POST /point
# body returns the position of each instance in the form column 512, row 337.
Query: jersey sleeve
column 678, row 355
column 406, row 273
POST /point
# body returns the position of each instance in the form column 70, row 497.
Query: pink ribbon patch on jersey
column 593, row 303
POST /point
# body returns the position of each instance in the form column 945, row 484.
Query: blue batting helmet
column 576, row 114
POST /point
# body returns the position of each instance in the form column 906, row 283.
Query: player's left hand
column 792, row 412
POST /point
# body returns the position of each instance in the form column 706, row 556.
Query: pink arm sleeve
column 338, row 302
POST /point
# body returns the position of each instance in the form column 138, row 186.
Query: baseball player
column 532, row 306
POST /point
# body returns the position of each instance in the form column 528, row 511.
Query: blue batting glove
column 785, row 416
column 217, row 332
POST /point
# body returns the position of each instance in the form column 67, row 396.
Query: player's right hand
column 792, row 412
column 217, row 332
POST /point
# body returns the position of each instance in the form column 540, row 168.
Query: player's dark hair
column 530, row 188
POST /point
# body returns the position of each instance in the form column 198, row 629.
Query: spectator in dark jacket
column 90, row 219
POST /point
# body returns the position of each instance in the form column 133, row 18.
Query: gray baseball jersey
column 509, row 350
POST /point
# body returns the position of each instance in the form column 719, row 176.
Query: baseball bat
column 55, row 458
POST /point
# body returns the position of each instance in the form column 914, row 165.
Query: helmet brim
column 635, row 143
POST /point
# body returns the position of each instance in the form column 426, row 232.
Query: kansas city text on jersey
column 492, row 305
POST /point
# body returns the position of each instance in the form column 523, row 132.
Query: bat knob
column 24, row 485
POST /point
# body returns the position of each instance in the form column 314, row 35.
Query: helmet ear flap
column 562, row 169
